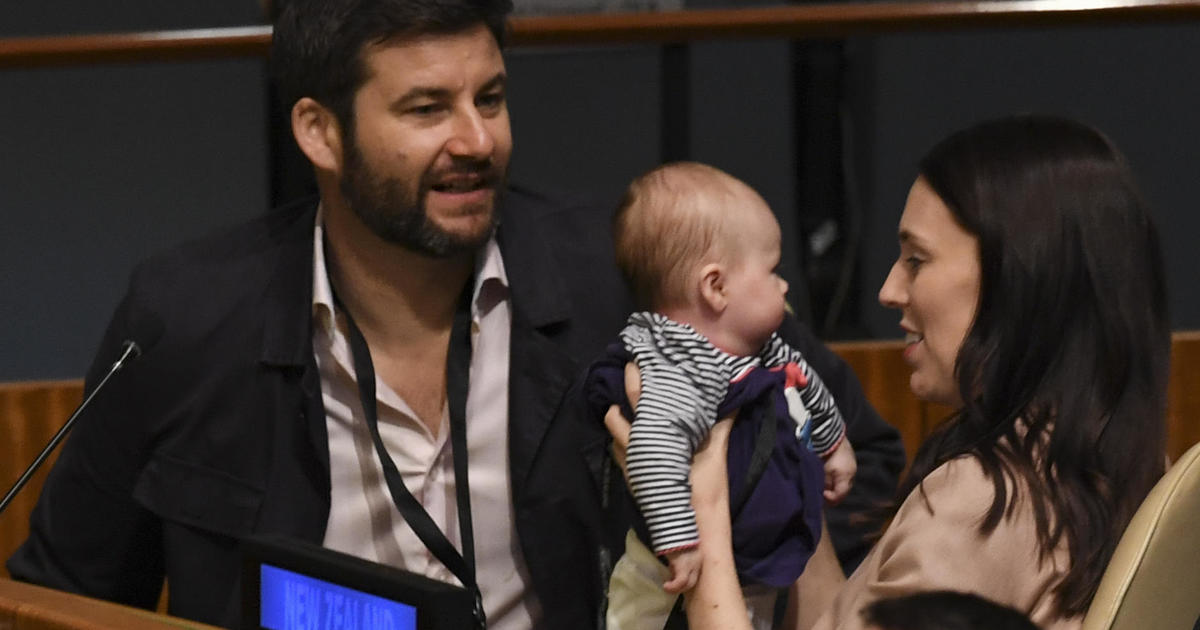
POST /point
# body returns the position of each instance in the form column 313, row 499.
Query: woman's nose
column 893, row 293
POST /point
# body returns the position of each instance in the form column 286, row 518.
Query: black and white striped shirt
column 684, row 379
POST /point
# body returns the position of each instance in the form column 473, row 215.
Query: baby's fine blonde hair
column 670, row 221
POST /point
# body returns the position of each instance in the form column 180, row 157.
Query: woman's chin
column 933, row 393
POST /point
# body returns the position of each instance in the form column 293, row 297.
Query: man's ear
column 318, row 134
column 712, row 287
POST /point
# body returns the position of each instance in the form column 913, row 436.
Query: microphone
column 130, row 350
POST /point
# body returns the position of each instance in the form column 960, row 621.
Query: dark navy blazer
column 218, row 431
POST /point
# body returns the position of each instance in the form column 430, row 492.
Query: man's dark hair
column 944, row 610
column 317, row 45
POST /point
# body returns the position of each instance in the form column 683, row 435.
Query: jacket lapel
column 540, row 370
column 287, row 319
column 539, row 374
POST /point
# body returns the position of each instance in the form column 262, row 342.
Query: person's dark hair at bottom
column 943, row 610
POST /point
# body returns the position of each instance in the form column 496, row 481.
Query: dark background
column 102, row 165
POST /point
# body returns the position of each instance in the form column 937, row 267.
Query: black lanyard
column 458, row 365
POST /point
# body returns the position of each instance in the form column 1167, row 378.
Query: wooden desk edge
column 70, row 610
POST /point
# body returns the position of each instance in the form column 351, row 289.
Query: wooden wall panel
column 884, row 375
column 1183, row 394
column 30, row 414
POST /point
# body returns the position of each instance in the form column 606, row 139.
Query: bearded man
column 383, row 370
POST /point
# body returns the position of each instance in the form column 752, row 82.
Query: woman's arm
column 818, row 586
column 716, row 602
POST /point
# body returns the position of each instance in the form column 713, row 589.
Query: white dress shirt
column 363, row 520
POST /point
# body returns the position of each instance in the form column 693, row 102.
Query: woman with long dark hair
column 1031, row 291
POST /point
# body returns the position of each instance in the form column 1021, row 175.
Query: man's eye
column 427, row 109
column 913, row 262
column 491, row 100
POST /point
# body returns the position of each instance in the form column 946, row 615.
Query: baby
column 700, row 250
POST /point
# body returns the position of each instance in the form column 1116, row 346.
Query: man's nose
column 471, row 136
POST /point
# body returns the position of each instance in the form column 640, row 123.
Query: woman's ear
column 318, row 134
column 712, row 287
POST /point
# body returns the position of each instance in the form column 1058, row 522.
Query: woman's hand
column 716, row 602
column 617, row 424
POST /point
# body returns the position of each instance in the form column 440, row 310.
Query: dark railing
column 793, row 21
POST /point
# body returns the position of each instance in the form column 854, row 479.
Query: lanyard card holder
column 292, row 585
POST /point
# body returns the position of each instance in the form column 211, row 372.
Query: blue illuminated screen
column 291, row 601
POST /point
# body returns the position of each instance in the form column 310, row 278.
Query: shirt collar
column 491, row 281
column 322, row 302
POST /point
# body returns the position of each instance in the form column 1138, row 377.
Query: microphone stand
column 130, row 351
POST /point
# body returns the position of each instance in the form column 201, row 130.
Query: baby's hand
column 840, row 467
column 685, row 569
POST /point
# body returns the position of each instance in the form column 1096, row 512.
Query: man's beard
column 397, row 213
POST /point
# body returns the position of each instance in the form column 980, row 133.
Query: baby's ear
column 712, row 287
